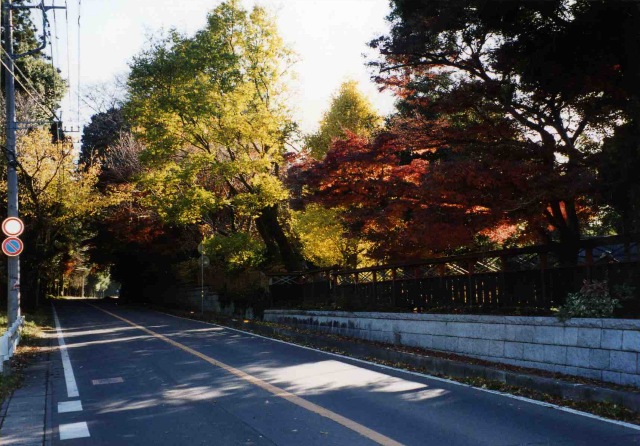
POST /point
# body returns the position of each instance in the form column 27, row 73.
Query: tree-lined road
column 146, row 378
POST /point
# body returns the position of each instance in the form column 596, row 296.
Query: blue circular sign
column 12, row 246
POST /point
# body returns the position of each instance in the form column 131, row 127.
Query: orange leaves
column 424, row 186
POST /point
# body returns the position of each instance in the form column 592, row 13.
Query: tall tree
column 553, row 70
column 422, row 187
column 56, row 203
column 211, row 113
column 324, row 232
column 350, row 111
column 103, row 131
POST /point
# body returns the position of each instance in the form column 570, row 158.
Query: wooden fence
column 528, row 280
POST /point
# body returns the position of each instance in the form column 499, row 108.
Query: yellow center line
column 276, row 391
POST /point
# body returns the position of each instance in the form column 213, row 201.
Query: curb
column 447, row 367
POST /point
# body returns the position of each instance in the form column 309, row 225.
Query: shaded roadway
column 169, row 396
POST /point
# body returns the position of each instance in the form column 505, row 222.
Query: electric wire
column 55, row 32
column 17, row 68
column 28, row 86
column 66, row 16
column 79, row 83
column 53, row 66
column 57, row 52
column 66, row 19
column 34, row 90
column 31, row 92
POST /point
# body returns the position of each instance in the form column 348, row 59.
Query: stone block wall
column 192, row 299
column 602, row 349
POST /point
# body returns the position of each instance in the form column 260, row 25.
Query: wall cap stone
column 619, row 324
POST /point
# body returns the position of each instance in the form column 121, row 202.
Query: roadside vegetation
column 485, row 150
column 501, row 138
column 33, row 343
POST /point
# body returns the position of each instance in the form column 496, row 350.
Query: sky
column 329, row 37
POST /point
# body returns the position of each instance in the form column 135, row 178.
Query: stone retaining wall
column 191, row 299
column 602, row 349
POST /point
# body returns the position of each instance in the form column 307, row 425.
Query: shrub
column 593, row 300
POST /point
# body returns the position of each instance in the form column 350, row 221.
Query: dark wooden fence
column 527, row 280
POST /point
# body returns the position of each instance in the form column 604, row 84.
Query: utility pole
column 13, row 263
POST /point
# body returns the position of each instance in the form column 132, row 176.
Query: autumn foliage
column 412, row 193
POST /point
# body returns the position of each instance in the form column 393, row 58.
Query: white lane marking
column 74, row 430
column 70, row 406
column 98, row 382
column 72, row 387
column 423, row 375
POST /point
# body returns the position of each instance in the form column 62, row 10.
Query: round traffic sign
column 12, row 226
column 12, row 246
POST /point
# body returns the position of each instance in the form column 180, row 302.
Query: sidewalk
column 24, row 415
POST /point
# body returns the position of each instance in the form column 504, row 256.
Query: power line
column 31, row 91
column 27, row 79
column 66, row 15
column 79, row 65
column 53, row 66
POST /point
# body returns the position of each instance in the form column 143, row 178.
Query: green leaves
column 236, row 251
column 350, row 111
column 211, row 112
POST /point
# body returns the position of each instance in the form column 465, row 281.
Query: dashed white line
column 74, row 430
column 70, row 406
column 71, row 430
column 98, row 382
column 70, row 379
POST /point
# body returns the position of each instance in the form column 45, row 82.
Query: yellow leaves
column 324, row 239
column 172, row 191
column 350, row 111
column 210, row 110
column 236, row 251
column 49, row 179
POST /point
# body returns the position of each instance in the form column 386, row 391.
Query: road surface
column 128, row 376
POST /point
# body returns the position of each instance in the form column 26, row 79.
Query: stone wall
column 602, row 349
column 191, row 299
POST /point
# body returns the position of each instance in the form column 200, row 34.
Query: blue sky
column 329, row 36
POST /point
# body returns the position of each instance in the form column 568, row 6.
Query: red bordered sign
column 12, row 246
column 12, row 227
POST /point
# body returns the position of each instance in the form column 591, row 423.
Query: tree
column 56, row 202
column 323, row 232
column 211, row 114
column 411, row 195
column 349, row 111
column 553, row 71
column 102, row 132
column 619, row 164
column 34, row 71
column 326, row 240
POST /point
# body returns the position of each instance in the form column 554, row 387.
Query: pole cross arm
column 44, row 9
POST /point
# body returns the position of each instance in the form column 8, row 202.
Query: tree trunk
column 270, row 229
column 563, row 217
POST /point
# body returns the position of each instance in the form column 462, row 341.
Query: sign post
column 12, row 246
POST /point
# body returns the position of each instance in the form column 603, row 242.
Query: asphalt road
column 146, row 378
